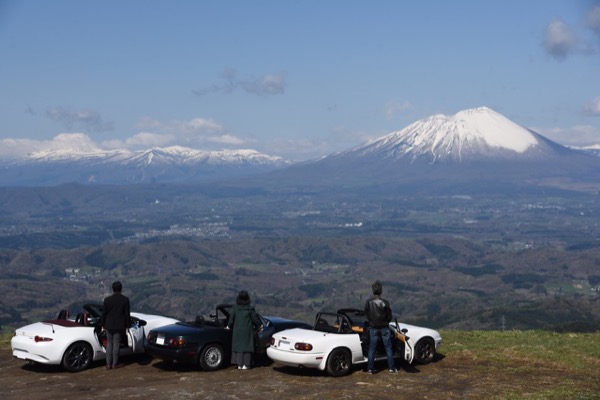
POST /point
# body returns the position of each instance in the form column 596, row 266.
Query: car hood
column 417, row 331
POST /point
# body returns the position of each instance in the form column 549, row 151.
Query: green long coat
column 242, row 322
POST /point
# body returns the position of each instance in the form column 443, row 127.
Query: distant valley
column 471, row 222
column 464, row 262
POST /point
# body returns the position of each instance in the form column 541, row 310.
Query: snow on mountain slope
column 469, row 133
column 74, row 151
column 75, row 158
column 473, row 150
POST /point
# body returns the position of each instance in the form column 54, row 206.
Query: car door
column 135, row 336
column 264, row 336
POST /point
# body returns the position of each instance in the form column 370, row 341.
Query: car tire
column 79, row 356
column 339, row 362
column 424, row 351
column 212, row 357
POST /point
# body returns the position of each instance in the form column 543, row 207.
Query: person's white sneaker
column 244, row 367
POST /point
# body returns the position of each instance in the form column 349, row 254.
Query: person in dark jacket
column 379, row 314
column 243, row 322
column 115, row 319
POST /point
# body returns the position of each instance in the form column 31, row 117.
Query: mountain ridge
column 452, row 155
column 472, row 147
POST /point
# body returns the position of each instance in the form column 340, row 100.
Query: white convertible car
column 76, row 342
column 340, row 340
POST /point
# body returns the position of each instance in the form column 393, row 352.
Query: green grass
column 5, row 339
column 529, row 364
column 575, row 350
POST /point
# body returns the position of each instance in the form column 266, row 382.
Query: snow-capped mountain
column 473, row 150
column 467, row 135
column 77, row 161
column 476, row 147
column 166, row 156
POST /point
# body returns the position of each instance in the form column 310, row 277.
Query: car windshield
column 356, row 317
column 95, row 310
column 332, row 322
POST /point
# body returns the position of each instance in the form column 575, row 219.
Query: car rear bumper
column 24, row 348
column 187, row 356
column 296, row 359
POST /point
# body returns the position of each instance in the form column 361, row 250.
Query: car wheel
column 424, row 351
column 212, row 357
column 78, row 357
column 339, row 362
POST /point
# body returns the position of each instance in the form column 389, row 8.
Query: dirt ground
column 457, row 377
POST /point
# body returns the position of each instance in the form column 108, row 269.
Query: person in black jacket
column 379, row 314
column 115, row 320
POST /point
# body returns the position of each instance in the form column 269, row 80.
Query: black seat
column 63, row 314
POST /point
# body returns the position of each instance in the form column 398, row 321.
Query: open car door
column 400, row 335
column 136, row 335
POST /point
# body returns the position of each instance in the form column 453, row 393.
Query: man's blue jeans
column 386, row 336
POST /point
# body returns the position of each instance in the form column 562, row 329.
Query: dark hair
column 377, row 288
column 243, row 298
column 117, row 287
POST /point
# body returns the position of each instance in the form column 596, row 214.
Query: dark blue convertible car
column 205, row 342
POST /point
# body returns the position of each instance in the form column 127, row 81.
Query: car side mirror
column 404, row 330
column 141, row 322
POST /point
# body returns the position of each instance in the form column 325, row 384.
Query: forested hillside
column 438, row 282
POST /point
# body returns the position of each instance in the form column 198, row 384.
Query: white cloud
column 199, row 125
column 393, row 107
column 73, row 142
column 193, row 133
column 147, row 123
column 226, row 139
column 86, row 119
column 592, row 108
column 198, row 133
column 593, row 19
column 147, row 139
column 559, row 40
column 269, row 84
column 577, row 135
column 13, row 148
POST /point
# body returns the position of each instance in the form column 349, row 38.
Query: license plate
column 160, row 339
column 283, row 342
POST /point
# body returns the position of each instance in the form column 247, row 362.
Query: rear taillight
column 177, row 342
column 38, row 339
column 303, row 346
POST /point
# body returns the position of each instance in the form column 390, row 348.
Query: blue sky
column 297, row 79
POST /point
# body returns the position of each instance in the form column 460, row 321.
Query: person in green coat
column 243, row 322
